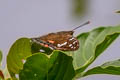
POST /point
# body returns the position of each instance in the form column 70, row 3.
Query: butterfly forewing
column 63, row 40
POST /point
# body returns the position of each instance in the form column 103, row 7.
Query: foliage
column 24, row 61
column 1, row 73
column 41, row 67
column 19, row 51
column 0, row 56
column 111, row 67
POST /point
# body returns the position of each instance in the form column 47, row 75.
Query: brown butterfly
column 63, row 40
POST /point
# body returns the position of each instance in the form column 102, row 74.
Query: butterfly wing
column 63, row 40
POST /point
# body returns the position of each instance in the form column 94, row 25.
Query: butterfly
column 63, row 40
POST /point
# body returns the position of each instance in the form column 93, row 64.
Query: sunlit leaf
column 19, row 51
column 0, row 56
column 111, row 67
column 92, row 44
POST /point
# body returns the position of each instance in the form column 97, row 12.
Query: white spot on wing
column 74, row 42
column 60, row 45
column 70, row 45
column 71, row 39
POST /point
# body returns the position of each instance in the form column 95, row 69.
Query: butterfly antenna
column 81, row 25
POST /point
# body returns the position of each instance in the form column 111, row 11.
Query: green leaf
column 111, row 67
column 56, row 66
column 0, row 57
column 92, row 44
column 19, row 51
